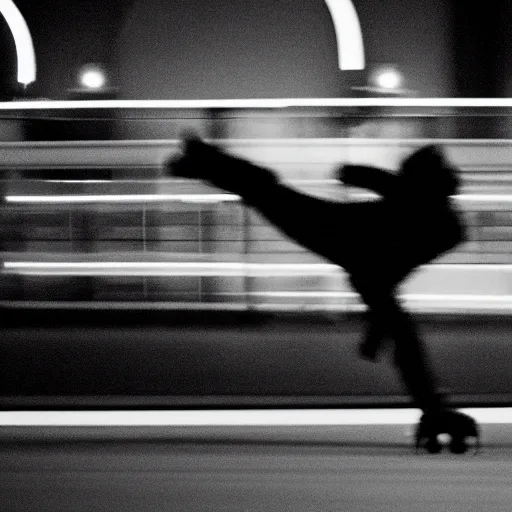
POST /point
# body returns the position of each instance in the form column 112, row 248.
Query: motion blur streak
column 257, row 103
column 287, row 417
column 126, row 198
column 207, row 198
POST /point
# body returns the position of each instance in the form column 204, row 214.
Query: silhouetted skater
column 378, row 243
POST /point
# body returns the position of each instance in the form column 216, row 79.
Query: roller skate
column 202, row 161
column 458, row 427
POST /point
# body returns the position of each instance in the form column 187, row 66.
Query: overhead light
column 387, row 77
column 93, row 76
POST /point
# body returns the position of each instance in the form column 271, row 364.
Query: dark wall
column 264, row 360
column 416, row 35
column 261, row 48
column 482, row 44
column 228, row 49
column 255, row 48
column 69, row 34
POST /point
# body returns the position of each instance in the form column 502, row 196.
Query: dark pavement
column 209, row 477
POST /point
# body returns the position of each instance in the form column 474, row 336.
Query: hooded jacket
column 413, row 221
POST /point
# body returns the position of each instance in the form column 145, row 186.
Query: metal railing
column 64, row 198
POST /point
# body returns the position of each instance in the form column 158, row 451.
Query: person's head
column 428, row 173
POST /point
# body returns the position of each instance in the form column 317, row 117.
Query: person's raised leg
column 310, row 221
column 413, row 363
column 207, row 162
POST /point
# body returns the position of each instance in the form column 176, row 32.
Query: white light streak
column 258, row 103
column 205, row 198
column 106, row 268
column 237, row 418
column 310, row 294
column 211, row 418
column 26, row 57
column 237, row 269
column 422, row 297
column 126, row 198
column 486, row 198
column 457, row 297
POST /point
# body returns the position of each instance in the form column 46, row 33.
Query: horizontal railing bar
column 328, row 141
column 203, row 268
column 278, row 103
column 483, row 307
column 204, row 198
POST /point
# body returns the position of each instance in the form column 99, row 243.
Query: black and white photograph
column 255, row 256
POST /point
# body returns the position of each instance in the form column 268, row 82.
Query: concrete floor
column 174, row 475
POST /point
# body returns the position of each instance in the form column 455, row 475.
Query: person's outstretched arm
column 380, row 181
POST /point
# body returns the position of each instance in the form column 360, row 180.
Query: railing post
column 70, row 228
column 144, row 234
column 246, row 254
column 144, row 249
column 200, row 248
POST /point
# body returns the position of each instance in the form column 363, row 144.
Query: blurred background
column 95, row 97
column 124, row 291
column 157, row 49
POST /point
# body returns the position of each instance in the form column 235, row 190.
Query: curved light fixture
column 348, row 34
column 26, row 57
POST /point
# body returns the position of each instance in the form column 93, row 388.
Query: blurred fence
column 97, row 221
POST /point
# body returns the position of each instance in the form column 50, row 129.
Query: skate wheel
column 458, row 445
column 433, row 445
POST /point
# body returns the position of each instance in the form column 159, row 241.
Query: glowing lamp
column 93, row 77
column 388, row 78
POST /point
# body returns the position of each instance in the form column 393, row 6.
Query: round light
column 389, row 79
column 93, row 78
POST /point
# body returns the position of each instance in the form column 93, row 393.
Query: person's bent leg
column 413, row 364
column 376, row 296
column 373, row 338
column 410, row 357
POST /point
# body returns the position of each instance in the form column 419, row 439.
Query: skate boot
column 445, row 422
column 196, row 160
